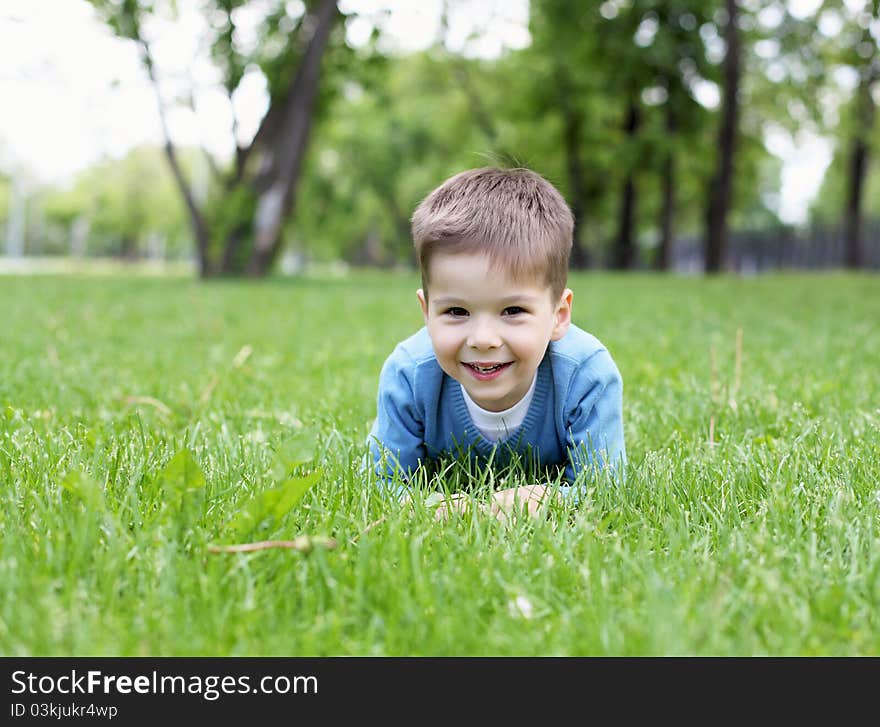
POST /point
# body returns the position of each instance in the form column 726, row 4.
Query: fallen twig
column 368, row 528
column 160, row 407
column 242, row 356
column 302, row 543
column 208, row 390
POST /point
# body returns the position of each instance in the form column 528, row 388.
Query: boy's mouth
column 485, row 371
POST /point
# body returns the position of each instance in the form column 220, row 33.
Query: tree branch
column 197, row 219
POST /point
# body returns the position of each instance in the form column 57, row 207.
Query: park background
column 672, row 152
column 207, row 259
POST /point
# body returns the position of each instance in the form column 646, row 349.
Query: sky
column 73, row 93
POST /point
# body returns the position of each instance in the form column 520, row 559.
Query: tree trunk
column 859, row 156
column 853, row 222
column 721, row 186
column 571, row 142
column 196, row 217
column 624, row 257
column 401, row 222
column 667, row 210
column 281, row 161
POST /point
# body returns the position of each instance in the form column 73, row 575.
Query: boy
column 498, row 371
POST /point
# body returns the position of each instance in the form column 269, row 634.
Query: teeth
column 486, row 370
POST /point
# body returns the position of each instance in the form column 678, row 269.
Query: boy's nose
column 483, row 335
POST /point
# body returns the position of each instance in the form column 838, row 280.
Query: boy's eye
column 513, row 310
column 456, row 312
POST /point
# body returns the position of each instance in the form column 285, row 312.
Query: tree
column 611, row 72
column 848, row 45
column 721, row 184
column 563, row 45
column 627, row 75
column 866, row 60
column 677, row 55
column 238, row 231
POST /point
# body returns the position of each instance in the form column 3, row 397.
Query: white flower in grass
column 520, row 607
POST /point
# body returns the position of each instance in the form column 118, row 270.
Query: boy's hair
column 514, row 216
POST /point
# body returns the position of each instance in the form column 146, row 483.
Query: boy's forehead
column 476, row 274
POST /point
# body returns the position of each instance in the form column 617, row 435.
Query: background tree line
column 650, row 115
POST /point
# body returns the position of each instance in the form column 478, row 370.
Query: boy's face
column 488, row 330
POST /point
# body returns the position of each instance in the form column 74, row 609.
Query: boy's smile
column 490, row 331
column 485, row 371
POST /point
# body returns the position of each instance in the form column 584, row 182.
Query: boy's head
column 514, row 217
column 493, row 246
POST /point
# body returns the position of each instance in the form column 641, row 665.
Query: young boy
column 498, row 371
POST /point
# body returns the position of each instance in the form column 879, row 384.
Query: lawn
column 145, row 420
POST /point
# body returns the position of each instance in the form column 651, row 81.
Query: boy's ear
column 423, row 301
column 563, row 315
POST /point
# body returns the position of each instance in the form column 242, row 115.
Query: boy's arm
column 594, row 419
column 396, row 439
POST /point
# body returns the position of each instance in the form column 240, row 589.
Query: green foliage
column 402, row 127
column 86, row 489
column 231, row 212
column 125, row 17
column 270, row 506
column 182, row 486
column 298, row 449
column 267, row 508
column 851, row 51
column 124, row 202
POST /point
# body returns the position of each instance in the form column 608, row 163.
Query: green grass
column 765, row 541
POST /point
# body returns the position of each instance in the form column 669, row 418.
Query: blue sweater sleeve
column 396, row 440
column 594, row 417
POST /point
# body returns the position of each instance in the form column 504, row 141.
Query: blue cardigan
column 575, row 418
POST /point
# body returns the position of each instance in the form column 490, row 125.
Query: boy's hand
column 530, row 497
column 502, row 504
column 454, row 503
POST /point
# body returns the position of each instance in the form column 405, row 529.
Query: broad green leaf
column 272, row 504
column 86, row 489
column 294, row 451
column 183, row 483
column 182, row 474
column 254, row 512
column 292, row 492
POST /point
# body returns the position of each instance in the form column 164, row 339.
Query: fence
column 815, row 248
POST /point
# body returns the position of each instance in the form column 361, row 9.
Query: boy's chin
column 497, row 403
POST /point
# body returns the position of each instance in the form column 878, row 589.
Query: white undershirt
column 495, row 425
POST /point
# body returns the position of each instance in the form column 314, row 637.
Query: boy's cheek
column 449, row 367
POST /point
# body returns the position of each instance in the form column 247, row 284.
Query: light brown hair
column 514, row 216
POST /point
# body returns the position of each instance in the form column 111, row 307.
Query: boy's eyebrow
column 522, row 298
